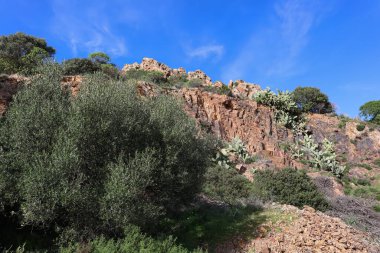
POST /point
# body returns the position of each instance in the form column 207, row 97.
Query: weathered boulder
column 200, row 75
column 242, row 89
column 73, row 83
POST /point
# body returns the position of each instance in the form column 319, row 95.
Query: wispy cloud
column 206, row 51
column 86, row 30
column 274, row 50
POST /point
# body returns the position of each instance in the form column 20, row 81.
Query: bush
column 289, row 186
column 310, row 99
column 134, row 241
column 343, row 121
column 224, row 90
column 110, row 70
column 360, row 127
column 363, row 181
column 79, row 66
column 178, row 80
column 377, row 162
column 364, row 165
column 147, row 76
column 287, row 113
column 226, row 185
column 65, row 156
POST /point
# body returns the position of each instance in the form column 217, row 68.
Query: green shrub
column 288, row 186
column 133, row 241
column 377, row 162
column 147, row 76
column 363, row 181
column 64, row 156
column 79, row 66
column 110, row 70
column 224, row 90
column 343, row 121
column 364, row 165
column 226, row 185
column 178, row 80
column 310, row 99
column 360, row 127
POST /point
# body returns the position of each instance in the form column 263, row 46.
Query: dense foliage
column 226, row 185
column 143, row 75
column 310, row 99
column 286, row 110
column 79, row 66
column 20, row 52
column 95, row 62
column 370, row 111
column 97, row 162
column 289, row 186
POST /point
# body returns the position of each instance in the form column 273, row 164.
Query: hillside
column 229, row 112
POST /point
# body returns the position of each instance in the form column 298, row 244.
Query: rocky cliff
column 237, row 115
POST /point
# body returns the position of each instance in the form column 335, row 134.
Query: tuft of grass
column 343, row 121
column 376, row 208
column 364, row 165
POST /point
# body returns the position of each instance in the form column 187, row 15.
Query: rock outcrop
column 72, row 83
column 242, row 89
column 351, row 145
column 237, row 116
column 229, row 117
column 200, row 75
column 149, row 64
column 9, row 85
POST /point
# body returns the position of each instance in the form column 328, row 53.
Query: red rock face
column 352, row 145
column 72, row 83
column 242, row 89
column 229, row 117
column 149, row 64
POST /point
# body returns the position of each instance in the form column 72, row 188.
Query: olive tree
column 99, row 161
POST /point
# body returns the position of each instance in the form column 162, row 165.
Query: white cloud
column 274, row 50
column 206, row 51
column 86, row 30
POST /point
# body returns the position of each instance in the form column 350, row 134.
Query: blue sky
column 330, row 44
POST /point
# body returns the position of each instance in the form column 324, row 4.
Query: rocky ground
column 304, row 231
